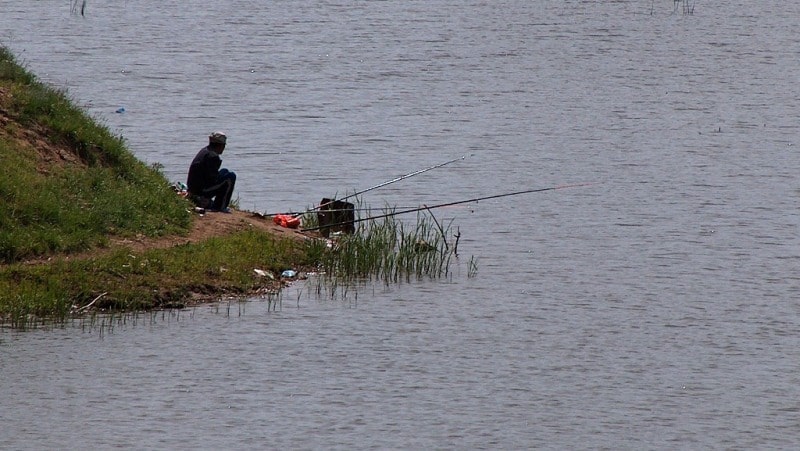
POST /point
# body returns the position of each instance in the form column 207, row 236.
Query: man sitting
column 208, row 185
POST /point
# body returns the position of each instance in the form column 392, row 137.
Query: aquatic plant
column 387, row 250
column 74, row 7
column 472, row 269
column 687, row 6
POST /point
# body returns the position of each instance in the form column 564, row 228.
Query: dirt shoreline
column 204, row 226
column 209, row 225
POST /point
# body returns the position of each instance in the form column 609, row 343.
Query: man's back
column 203, row 170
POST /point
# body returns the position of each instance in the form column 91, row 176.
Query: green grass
column 51, row 207
column 126, row 281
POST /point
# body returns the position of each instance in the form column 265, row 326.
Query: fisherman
column 208, row 185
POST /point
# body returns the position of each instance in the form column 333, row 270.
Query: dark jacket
column 203, row 171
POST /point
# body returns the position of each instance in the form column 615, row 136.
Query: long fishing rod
column 447, row 204
column 402, row 177
column 334, row 210
column 379, row 185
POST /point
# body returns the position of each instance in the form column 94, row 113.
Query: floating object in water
column 120, row 110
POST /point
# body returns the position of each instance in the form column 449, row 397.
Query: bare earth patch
column 212, row 224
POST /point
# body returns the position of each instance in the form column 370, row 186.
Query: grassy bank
column 71, row 188
column 74, row 198
column 156, row 278
column 69, row 182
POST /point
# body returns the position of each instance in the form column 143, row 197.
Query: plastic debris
column 262, row 273
column 120, row 110
column 289, row 274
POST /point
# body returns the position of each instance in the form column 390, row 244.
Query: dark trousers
column 220, row 193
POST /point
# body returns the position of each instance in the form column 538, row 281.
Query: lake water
column 658, row 308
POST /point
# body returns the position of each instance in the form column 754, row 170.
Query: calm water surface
column 655, row 309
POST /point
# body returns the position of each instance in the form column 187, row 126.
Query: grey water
column 656, row 308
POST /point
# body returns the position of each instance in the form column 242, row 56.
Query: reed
column 686, row 6
column 472, row 268
column 74, row 7
column 386, row 250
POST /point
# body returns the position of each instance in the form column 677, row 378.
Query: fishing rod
column 447, row 204
column 335, row 210
column 402, row 177
column 379, row 185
